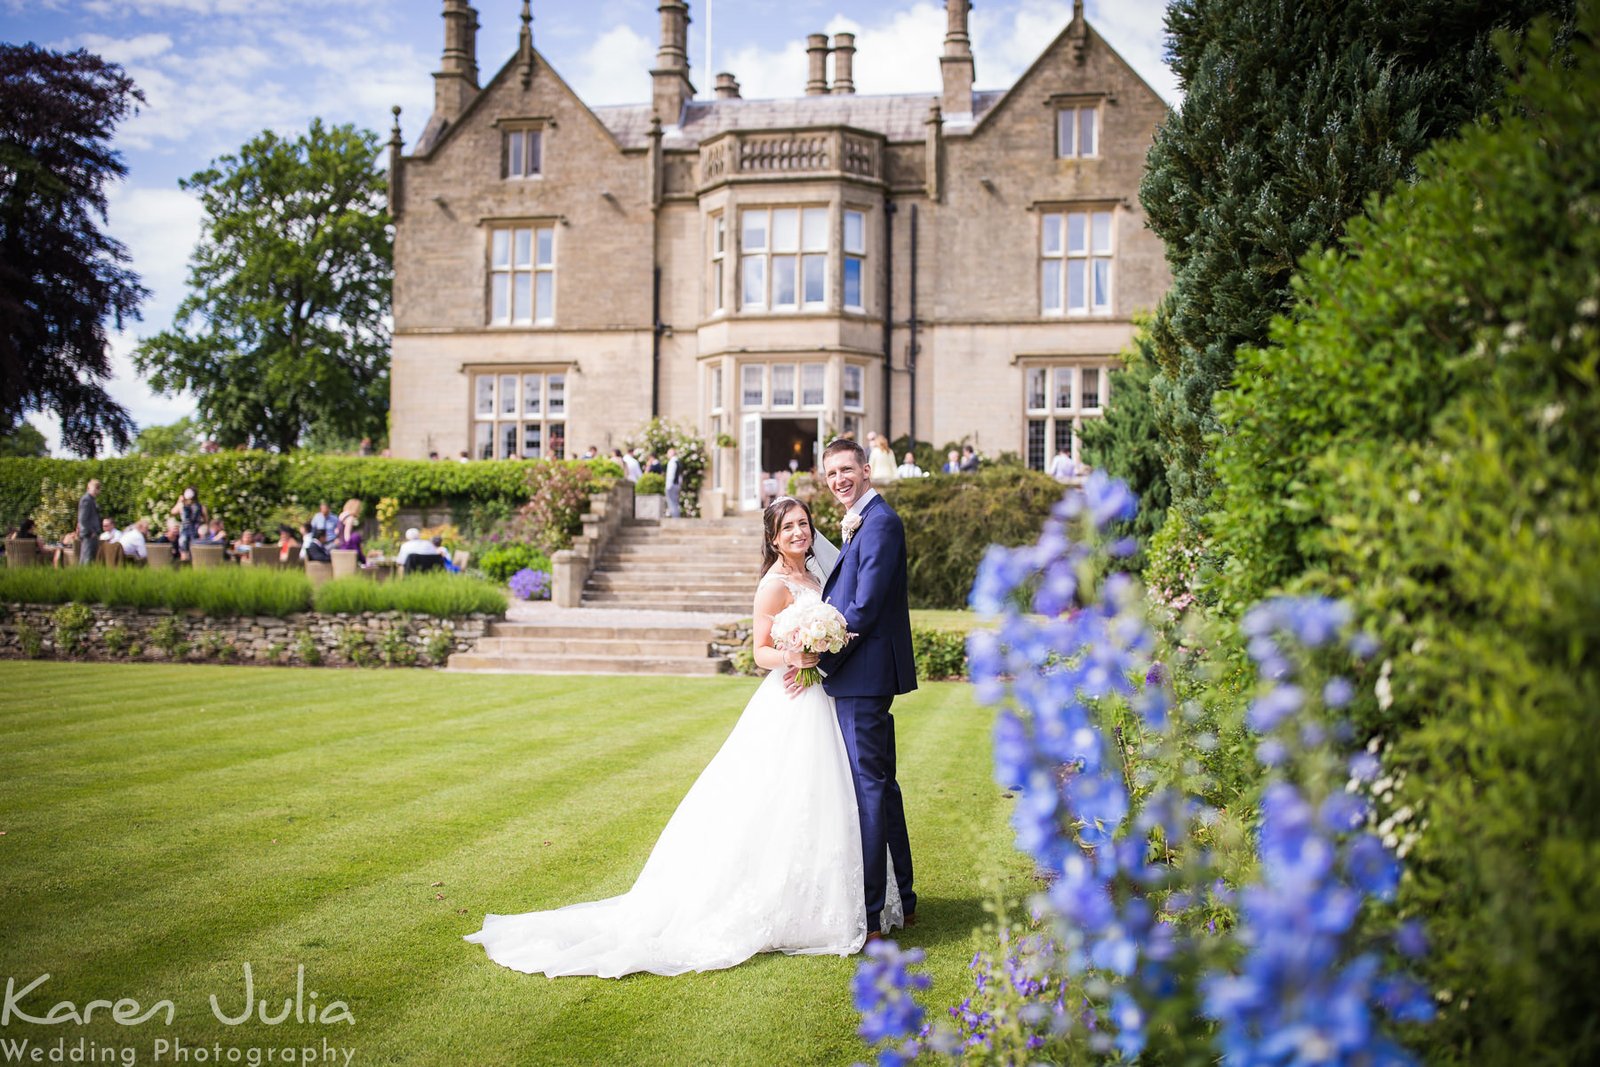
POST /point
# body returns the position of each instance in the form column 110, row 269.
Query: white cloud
column 615, row 69
column 125, row 50
column 897, row 55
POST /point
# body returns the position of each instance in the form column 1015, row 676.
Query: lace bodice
column 798, row 590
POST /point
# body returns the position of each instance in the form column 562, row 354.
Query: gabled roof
column 899, row 118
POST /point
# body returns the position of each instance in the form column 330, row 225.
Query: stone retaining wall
column 306, row 639
column 731, row 639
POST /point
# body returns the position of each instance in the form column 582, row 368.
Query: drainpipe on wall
column 656, row 331
column 888, row 309
column 911, row 344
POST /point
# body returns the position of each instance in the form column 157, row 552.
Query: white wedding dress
column 762, row 855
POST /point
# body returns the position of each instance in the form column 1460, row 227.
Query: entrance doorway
column 788, row 441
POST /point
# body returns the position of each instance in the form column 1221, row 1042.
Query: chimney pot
column 727, row 87
column 956, row 66
column 817, row 54
column 844, row 54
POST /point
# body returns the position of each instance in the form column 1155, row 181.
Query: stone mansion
column 952, row 265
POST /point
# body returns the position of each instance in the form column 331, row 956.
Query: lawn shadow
column 943, row 920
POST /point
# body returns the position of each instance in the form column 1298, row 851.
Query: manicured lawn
column 934, row 619
column 165, row 824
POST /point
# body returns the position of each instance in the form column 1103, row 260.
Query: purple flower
column 1337, row 693
column 1269, row 710
column 1109, row 499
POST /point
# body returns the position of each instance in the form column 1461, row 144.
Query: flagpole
column 711, row 74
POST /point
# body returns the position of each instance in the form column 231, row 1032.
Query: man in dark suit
column 89, row 523
column 868, row 586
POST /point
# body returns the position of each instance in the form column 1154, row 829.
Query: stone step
column 599, row 646
column 633, row 579
column 727, row 607
column 554, row 630
column 579, row 664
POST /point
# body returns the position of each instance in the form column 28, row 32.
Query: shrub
column 30, row 639
column 1125, row 443
column 744, row 661
column 306, row 649
column 442, row 596
column 354, row 647
column 658, row 435
column 395, row 650
column 168, row 636
column 939, row 653
column 950, row 521
column 440, row 644
column 276, row 651
column 531, row 584
column 500, row 562
column 72, row 628
column 1421, row 437
column 116, row 639
column 650, row 485
column 57, row 511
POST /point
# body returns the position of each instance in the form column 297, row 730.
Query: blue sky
column 216, row 72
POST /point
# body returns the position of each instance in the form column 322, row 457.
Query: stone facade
column 952, row 265
column 249, row 639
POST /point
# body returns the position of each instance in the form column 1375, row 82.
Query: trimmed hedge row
column 246, row 488
column 235, row 591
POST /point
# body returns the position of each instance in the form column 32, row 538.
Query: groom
column 868, row 586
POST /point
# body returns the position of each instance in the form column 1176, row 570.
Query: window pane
column 855, row 232
column 547, row 247
column 502, row 248
column 1063, row 388
column 755, row 281
column 1088, row 118
column 1064, row 436
column 813, row 384
column 501, row 287
column 1077, row 239
column 514, row 153
column 786, row 230
column 558, row 441
column 1052, row 235
column 852, row 282
column 483, row 440
column 852, row 387
column 485, row 393
column 1102, row 284
column 719, row 234
column 716, row 388
column 754, row 394
column 524, row 248
column 1077, row 298
column 1051, row 285
column 1102, row 231
column 815, row 237
column 1065, row 125
column 508, row 439
column 1035, row 388
column 815, row 269
column 754, row 237
column 558, row 396
column 1036, row 444
column 783, row 385
column 530, row 393
column 508, row 394
column 522, row 298
column 716, row 286
column 546, row 296
column 783, row 281
column 535, row 152
column 1091, row 387
column 532, row 441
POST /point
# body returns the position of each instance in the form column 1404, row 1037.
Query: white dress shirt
column 132, row 542
column 418, row 547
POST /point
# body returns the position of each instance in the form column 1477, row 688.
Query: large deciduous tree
column 61, row 277
column 1294, row 113
column 286, row 322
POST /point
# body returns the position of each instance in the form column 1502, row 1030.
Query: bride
column 762, row 855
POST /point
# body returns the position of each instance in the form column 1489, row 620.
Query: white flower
column 849, row 525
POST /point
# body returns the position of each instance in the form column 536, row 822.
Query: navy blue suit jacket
column 868, row 586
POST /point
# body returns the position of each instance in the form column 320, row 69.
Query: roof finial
column 525, row 45
column 394, row 133
column 1077, row 10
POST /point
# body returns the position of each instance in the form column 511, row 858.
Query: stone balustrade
column 823, row 152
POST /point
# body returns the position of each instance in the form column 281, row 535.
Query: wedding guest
column 630, row 466
column 449, row 562
column 909, row 468
column 350, row 535
column 880, row 463
column 415, row 545
column 366, row 447
column 653, row 465
column 88, row 521
column 674, row 477
column 288, row 544
column 969, row 459
column 191, row 519
column 246, row 543
column 312, row 548
column 108, row 530
column 463, row 457
column 433, row 455
column 24, row 530
column 769, row 488
column 1062, row 467
column 68, row 545
column 591, row 452
column 952, row 462
column 325, row 524
column 132, row 540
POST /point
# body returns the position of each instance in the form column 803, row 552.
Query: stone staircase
column 699, row 565
column 659, row 599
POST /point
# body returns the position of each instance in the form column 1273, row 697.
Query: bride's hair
column 772, row 521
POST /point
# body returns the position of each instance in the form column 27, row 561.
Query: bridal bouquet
column 809, row 626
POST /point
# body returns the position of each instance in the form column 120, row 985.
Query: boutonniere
column 850, row 524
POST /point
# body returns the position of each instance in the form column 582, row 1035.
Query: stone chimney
column 844, row 55
column 671, row 87
column 727, row 87
column 455, row 84
column 817, row 55
column 956, row 64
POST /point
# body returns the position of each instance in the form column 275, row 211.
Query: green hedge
column 248, row 488
column 234, row 591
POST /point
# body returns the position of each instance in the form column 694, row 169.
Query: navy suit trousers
column 868, row 731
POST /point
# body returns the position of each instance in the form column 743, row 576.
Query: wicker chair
column 207, row 555
column 345, row 564
column 22, row 551
column 158, row 555
column 319, row 572
column 461, row 559
column 109, row 554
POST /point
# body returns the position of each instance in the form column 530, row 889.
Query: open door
column 750, row 463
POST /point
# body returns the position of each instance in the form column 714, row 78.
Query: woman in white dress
column 762, row 855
